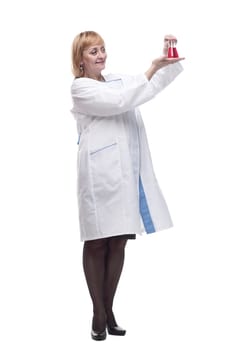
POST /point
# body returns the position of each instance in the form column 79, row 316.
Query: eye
column 93, row 52
column 103, row 49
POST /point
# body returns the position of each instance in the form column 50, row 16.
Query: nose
column 101, row 54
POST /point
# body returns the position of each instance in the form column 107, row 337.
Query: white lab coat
column 117, row 189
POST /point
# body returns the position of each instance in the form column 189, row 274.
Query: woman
column 118, row 195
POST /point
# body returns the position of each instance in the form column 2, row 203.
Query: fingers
column 170, row 37
column 173, row 60
column 165, row 61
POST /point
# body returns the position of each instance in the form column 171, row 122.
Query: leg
column 94, row 256
column 114, row 266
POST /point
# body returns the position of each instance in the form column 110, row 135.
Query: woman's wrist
column 151, row 71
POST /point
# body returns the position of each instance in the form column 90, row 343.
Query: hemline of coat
column 117, row 190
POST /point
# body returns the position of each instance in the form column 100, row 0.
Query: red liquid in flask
column 175, row 53
column 172, row 51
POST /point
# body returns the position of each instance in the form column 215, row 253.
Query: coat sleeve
column 97, row 99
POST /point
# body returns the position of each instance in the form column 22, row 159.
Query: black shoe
column 98, row 335
column 116, row 330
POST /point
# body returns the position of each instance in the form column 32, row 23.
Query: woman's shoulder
column 83, row 83
column 111, row 79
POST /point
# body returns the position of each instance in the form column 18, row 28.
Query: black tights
column 103, row 261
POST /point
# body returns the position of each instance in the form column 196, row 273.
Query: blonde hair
column 80, row 43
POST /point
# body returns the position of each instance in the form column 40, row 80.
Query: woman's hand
column 164, row 61
column 159, row 63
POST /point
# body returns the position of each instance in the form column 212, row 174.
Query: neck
column 91, row 76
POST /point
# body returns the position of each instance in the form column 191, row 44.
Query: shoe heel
column 116, row 330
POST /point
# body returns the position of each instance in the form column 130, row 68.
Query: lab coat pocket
column 106, row 172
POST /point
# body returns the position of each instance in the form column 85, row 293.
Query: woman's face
column 93, row 61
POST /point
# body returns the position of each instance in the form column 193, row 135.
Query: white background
column 176, row 288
